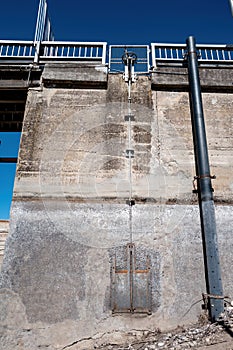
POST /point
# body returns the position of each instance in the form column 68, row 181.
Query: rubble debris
column 201, row 335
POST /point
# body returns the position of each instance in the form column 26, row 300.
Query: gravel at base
column 200, row 336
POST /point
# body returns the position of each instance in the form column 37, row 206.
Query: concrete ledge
column 13, row 84
column 19, row 77
column 75, row 75
column 212, row 79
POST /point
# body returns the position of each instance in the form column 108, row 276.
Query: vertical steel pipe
column 205, row 191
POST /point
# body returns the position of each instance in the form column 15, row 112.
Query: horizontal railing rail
column 53, row 50
column 176, row 53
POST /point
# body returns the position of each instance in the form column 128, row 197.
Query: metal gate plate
column 131, row 290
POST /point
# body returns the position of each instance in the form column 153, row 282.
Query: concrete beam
column 212, row 79
column 75, row 75
column 13, row 84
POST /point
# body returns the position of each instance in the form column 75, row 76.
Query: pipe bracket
column 196, row 178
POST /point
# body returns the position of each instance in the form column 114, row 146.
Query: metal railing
column 60, row 50
column 148, row 58
column 175, row 53
column 11, row 49
column 53, row 50
column 117, row 51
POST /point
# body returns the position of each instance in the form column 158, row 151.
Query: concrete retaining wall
column 70, row 221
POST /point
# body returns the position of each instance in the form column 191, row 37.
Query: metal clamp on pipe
column 207, row 299
column 196, row 178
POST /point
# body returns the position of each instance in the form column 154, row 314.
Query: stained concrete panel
column 60, row 272
column 75, row 74
column 69, row 214
column 212, row 79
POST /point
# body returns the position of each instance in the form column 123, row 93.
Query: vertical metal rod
column 129, row 139
column 128, row 59
column 131, row 276
column 130, row 159
column 205, row 191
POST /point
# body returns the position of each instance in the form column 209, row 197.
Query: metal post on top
column 43, row 30
column 231, row 6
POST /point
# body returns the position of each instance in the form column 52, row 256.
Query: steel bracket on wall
column 131, row 283
column 129, row 59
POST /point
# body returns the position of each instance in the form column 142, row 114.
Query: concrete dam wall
column 82, row 265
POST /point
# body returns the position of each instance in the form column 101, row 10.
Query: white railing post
column 148, row 58
column 109, row 57
column 153, row 56
column 104, row 53
column 37, row 53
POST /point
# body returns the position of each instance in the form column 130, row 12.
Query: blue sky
column 122, row 21
column 117, row 22
column 8, row 148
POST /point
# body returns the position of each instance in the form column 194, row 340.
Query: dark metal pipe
column 205, row 191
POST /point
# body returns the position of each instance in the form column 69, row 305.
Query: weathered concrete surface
column 19, row 77
column 58, row 281
column 175, row 136
column 74, row 75
column 217, row 79
column 69, row 214
column 4, row 228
